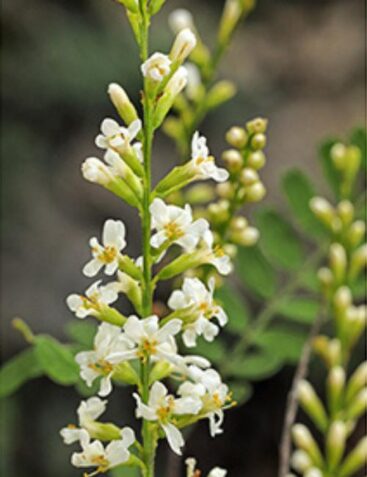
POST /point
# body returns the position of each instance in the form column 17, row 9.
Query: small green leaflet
column 301, row 310
column 15, row 372
column 299, row 191
column 214, row 351
column 235, row 307
column 241, row 391
column 279, row 242
column 56, row 360
column 255, row 366
column 256, row 272
column 83, row 332
column 284, row 343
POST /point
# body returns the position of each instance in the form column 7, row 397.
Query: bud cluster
column 346, row 396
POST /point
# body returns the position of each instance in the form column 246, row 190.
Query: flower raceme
column 163, row 408
column 197, row 305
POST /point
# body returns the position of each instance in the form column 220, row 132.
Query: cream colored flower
column 157, row 67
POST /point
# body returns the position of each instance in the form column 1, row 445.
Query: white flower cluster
column 124, row 344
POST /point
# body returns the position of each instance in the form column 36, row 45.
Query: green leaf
column 301, row 310
column 257, row 366
column 124, row 472
column 358, row 138
column 309, row 280
column 83, row 332
column 299, row 191
column 214, row 351
column 236, row 308
column 23, row 367
column 279, row 241
column 256, row 272
column 331, row 174
column 241, row 391
column 56, row 360
column 283, row 343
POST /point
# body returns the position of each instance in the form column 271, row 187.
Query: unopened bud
column 183, row 45
column 301, row 461
column 335, row 388
column 130, row 288
column 356, row 233
column 247, row 237
column 249, row 176
column 125, row 373
column 323, row 210
column 304, row 440
column 200, row 193
column 357, row 381
column 219, row 212
column 256, row 160
column 132, row 5
column 233, row 160
column 338, row 261
column 358, row 262
column 258, row 141
column 94, row 170
column 174, row 86
column 180, row 19
column 325, row 277
column 338, row 154
column 312, row 404
column 161, row 370
column 257, row 126
column 346, row 211
column 343, row 298
column 355, row 460
column 220, row 93
column 122, row 103
column 358, row 405
column 328, row 350
column 313, row 472
column 255, row 192
column 225, row 190
column 335, row 444
column 237, row 137
column 231, row 15
column 238, row 224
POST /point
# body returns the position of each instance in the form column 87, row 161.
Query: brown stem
column 292, row 401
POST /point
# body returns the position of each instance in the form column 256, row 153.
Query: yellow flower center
column 90, row 301
column 164, row 412
column 108, row 255
column 100, row 461
column 173, row 231
column 217, row 400
column 102, row 367
column 218, row 251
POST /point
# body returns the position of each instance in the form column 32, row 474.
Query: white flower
column 202, row 163
column 109, row 340
column 96, row 171
column 217, row 472
column 157, row 67
column 148, row 339
column 95, row 298
column 107, row 255
column 216, row 256
column 88, row 411
column 195, row 296
column 183, row 45
column 175, row 225
column 162, row 407
column 215, row 397
column 178, row 81
column 180, row 19
column 94, row 454
column 193, row 80
column 191, row 467
column 116, row 136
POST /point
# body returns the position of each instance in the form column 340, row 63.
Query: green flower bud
column 313, row 472
column 258, row 141
column 326, row 278
column 155, row 6
column 111, row 315
column 357, row 381
column 132, row 5
column 255, row 192
column 338, row 262
column 323, row 210
column 358, row 405
column 122, row 103
column 301, row 461
column 304, row 440
column 161, row 370
column 335, row 388
column 249, row 176
column 127, row 265
column 248, row 237
column 356, row 233
column 358, row 262
column 183, row 45
column 257, row 126
column 219, row 212
column 355, row 460
column 131, row 288
column 312, row 404
column 256, row 160
column 233, row 160
column 238, row 224
column 125, row 373
column 236, row 137
column 103, row 431
column 335, row 444
column 338, row 155
column 225, row 190
column 220, row 93
column 232, row 13
column 345, row 210
column 200, row 193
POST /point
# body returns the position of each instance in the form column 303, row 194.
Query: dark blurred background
column 298, row 62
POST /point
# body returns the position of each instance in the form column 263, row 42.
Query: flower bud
column 358, row 405
column 200, row 193
column 122, row 103
column 125, row 373
column 132, row 5
column 160, row 370
column 313, row 472
column 323, row 210
column 246, row 237
column 225, row 190
column 183, row 45
column 342, row 298
column 238, row 224
column 358, row 262
column 304, row 440
column 219, row 212
column 325, row 277
column 356, row 233
column 233, row 160
column 301, row 461
column 130, row 288
column 231, row 15
column 335, row 387
column 156, row 67
column 174, row 86
column 177, row 83
column 255, row 192
column 180, row 19
column 220, row 93
column 338, row 261
column 335, row 444
column 94, row 170
column 312, row 404
column 249, row 176
column 346, row 211
column 338, row 154
column 355, row 460
column 357, row 381
column 256, row 160
column 236, row 137
column 328, row 350
column 155, row 6
column 257, row 126
column 258, row 141
column 102, row 431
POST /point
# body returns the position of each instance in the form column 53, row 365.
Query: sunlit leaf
column 15, row 372
column 56, row 360
column 235, row 308
column 256, row 272
column 279, row 242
